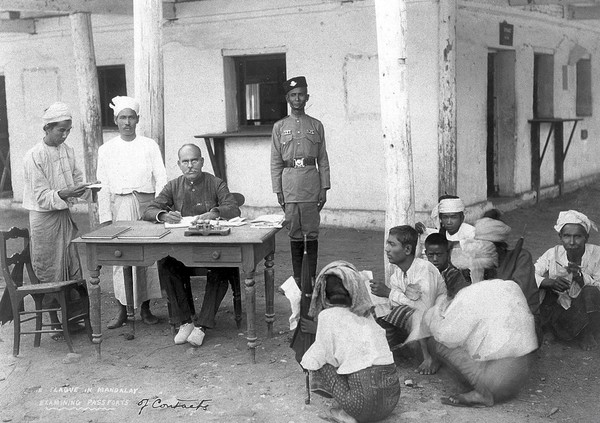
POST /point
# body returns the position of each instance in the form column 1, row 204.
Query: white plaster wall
column 335, row 46
column 544, row 32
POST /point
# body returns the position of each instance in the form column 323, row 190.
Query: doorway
column 501, row 114
column 5, row 179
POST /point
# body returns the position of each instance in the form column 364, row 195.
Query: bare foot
column 429, row 366
column 340, row 416
column 588, row 341
column 469, row 399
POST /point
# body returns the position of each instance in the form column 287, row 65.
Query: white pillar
column 89, row 98
column 148, row 68
column 391, row 46
column 447, row 97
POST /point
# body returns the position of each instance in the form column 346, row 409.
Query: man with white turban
column 132, row 172
column 569, row 279
column 53, row 182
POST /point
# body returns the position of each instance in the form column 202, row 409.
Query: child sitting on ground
column 436, row 250
column 350, row 359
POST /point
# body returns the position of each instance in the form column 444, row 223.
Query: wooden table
column 244, row 248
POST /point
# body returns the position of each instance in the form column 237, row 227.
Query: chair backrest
column 239, row 198
column 13, row 267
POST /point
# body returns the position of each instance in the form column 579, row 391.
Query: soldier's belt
column 300, row 162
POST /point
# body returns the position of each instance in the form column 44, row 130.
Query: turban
column 57, row 112
column 488, row 229
column 574, row 217
column 447, row 205
column 122, row 102
column 353, row 282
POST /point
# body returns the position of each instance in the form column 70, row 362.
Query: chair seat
column 47, row 287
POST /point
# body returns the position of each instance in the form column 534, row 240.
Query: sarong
column 397, row 325
column 130, row 207
column 568, row 324
column 368, row 395
column 53, row 257
column 496, row 380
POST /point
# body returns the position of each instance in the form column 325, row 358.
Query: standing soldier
column 300, row 173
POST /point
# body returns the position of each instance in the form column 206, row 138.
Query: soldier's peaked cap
column 295, row 82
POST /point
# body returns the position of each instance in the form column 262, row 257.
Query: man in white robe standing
column 131, row 170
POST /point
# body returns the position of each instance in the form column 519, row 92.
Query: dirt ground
column 141, row 380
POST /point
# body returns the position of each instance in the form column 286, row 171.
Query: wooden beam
column 549, row 2
column 17, row 25
column 101, row 7
column 89, row 100
column 148, row 69
column 391, row 27
column 583, row 12
column 447, row 169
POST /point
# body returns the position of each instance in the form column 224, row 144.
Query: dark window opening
column 584, row 88
column 111, row 80
column 543, row 85
column 260, row 96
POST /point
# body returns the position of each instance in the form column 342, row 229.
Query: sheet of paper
column 185, row 222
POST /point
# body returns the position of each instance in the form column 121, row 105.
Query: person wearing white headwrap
column 132, row 172
column 569, row 279
column 53, row 183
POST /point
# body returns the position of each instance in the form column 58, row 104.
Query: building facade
column 517, row 68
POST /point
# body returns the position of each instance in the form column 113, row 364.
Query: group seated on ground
column 485, row 323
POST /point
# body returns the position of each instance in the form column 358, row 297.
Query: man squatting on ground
column 569, row 279
column 300, row 173
column 195, row 193
column 414, row 287
column 484, row 332
column 131, row 170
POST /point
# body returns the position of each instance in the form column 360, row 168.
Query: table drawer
column 217, row 254
column 120, row 252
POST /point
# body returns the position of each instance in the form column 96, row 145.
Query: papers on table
column 106, row 232
column 268, row 221
column 186, row 222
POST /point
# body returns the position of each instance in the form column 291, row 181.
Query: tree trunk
column 89, row 99
column 148, row 56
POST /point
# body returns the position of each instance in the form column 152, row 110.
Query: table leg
column 269, row 293
column 128, row 278
column 250, row 314
column 95, row 309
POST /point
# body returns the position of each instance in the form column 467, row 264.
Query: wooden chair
column 13, row 271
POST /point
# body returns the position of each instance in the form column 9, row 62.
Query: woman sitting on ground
column 350, row 360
